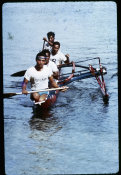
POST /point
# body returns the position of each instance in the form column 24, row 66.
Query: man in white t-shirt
column 50, row 40
column 38, row 75
column 57, row 56
column 51, row 65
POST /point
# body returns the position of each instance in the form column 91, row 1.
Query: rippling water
column 79, row 134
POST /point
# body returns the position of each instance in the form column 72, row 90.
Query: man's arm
column 53, row 83
column 55, row 70
column 67, row 59
column 24, row 86
column 49, row 42
column 56, row 75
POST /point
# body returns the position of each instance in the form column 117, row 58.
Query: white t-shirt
column 58, row 58
column 48, row 47
column 38, row 79
column 52, row 66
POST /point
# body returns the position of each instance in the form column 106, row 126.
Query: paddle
column 19, row 74
column 43, row 45
column 7, row 95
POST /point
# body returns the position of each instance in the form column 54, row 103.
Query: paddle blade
column 19, row 74
column 8, row 95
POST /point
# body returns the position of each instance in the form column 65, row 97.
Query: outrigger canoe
column 65, row 79
column 75, row 76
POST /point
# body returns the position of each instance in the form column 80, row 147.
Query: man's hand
column 64, row 88
column 24, row 92
column 67, row 55
column 45, row 39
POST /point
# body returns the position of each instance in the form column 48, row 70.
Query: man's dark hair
column 51, row 34
column 46, row 51
column 56, row 43
column 40, row 54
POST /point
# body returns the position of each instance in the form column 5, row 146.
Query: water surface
column 79, row 134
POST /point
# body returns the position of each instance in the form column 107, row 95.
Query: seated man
column 38, row 75
column 50, row 64
column 57, row 56
column 50, row 40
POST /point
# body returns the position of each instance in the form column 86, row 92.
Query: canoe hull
column 51, row 99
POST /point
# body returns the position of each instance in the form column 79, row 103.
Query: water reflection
column 17, row 85
column 44, row 120
column 114, row 75
column 41, row 113
column 106, row 100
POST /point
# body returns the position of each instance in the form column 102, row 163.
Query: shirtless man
column 38, row 75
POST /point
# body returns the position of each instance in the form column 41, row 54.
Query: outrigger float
column 65, row 79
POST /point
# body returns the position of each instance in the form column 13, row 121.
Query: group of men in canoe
column 46, row 70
